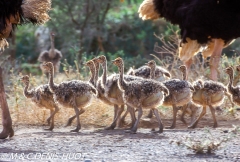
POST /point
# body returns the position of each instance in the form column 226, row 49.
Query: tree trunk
column 6, row 118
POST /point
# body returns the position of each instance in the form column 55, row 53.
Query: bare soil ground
column 92, row 143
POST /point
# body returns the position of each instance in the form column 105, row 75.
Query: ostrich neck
column 184, row 75
column 121, row 81
column 152, row 72
column 93, row 73
column 26, row 92
column 52, row 49
column 96, row 74
column 52, row 43
column 104, row 75
column 51, row 84
column 230, row 83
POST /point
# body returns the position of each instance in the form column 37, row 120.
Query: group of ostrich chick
column 147, row 87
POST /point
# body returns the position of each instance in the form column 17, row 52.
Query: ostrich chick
column 233, row 90
column 73, row 94
column 110, row 93
column 176, row 87
column 42, row 97
column 208, row 93
column 180, row 91
column 161, row 75
column 98, row 81
column 92, row 68
column 142, row 93
column 191, row 106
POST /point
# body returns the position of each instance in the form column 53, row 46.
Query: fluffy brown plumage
column 208, row 93
column 180, row 92
column 179, row 89
column 233, row 90
column 14, row 12
column 42, row 97
column 108, row 87
column 74, row 94
column 36, row 11
column 209, row 86
column 142, row 93
column 144, row 72
column 112, row 92
column 151, row 73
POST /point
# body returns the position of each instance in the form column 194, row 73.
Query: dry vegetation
column 98, row 114
column 208, row 143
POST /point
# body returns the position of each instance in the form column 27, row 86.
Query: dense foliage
column 86, row 28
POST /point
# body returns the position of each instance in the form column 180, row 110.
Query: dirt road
column 32, row 143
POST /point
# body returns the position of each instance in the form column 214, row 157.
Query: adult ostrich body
column 52, row 55
column 12, row 13
column 212, row 24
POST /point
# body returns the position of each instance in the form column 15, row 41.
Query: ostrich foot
column 77, row 129
column 133, row 130
column 111, row 127
column 153, row 129
column 159, row 131
column 215, row 125
column 192, row 126
column 6, row 132
column 170, row 127
column 48, row 129
column 130, row 131
column 129, row 128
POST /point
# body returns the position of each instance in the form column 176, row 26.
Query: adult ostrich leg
column 13, row 13
column 215, row 58
column 214, row 51
column 6, row 118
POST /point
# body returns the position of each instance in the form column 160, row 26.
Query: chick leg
column 175, row 110
column 193, row 125
column 134, row 128
column 73, row 117
column 118, row 114
column 214, row 116
column 155, row 111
